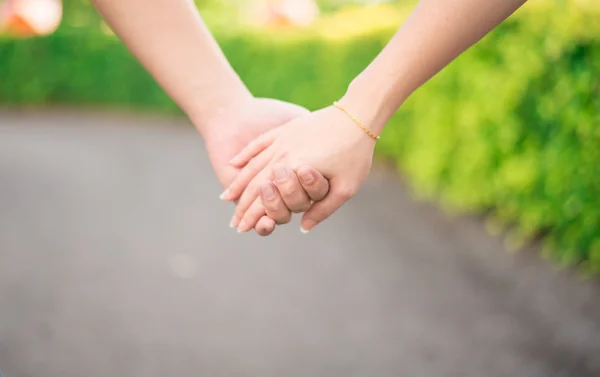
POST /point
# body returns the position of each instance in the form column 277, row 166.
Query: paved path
column 116, row 260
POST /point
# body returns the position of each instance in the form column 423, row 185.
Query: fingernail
column 306, row 176
column 242, row 226
column 224, row 194
column 267, row 191
column 234, row 222
column 281, row 173
column 307, row 226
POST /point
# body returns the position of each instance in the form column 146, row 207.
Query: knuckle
column 346, row 192
column 323, row 185
column 284, row 219
column 301, row 207
column 269, row 202
column 268, row 198
column 317, row 195
column 274, row 206
column 289, row 191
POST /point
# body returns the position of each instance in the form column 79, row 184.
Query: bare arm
column 170, row 39
column 435, row 33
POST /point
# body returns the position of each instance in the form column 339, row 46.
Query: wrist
column 209, row 103
column 373, row 100
column 367, row 103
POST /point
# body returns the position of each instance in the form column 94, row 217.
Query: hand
column 327, row 140
column 229, row 131
column 292, row 191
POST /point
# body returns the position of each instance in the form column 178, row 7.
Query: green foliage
column 81, row 16
column 511, row 128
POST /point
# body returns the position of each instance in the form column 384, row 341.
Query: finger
column 265, row 226
column 313, row 182
column 273, row 203
column 245, row 176
column 326, row 207
column 251, row 217
column 252, row 149
column 250, row 194
column 292, row 192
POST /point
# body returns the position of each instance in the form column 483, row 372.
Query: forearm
column 171, row 41
column 435, row 33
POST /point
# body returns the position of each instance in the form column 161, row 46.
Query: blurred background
column 112, row 259
column 510, row 128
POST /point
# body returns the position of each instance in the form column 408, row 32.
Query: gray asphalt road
column 116, row 260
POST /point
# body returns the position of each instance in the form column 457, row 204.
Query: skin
column 172, row 42
column 435, row 33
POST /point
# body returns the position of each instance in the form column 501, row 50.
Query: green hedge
column 510, row 129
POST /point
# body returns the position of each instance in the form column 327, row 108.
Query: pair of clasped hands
column 275, row 158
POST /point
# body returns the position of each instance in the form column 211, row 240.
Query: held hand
column 291, row 192
column 229, row 131
column 327, row 140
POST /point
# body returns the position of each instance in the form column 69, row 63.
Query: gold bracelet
column 358, row 123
